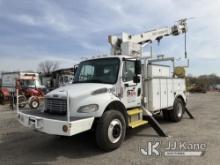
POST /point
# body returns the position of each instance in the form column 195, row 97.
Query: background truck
column 28, row 84
column 58, row 78
column 110, row 94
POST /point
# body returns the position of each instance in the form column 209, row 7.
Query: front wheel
column 110, row 130
column 34, row 103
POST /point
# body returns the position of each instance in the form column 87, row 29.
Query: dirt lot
column 19, row 145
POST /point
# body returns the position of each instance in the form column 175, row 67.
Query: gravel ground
column 19, row 145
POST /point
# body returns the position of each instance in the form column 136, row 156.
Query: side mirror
column 136, row 79
column 75, row 69
column 137, row 67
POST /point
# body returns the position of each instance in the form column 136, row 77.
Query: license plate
column 32, row 122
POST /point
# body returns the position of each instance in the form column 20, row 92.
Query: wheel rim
column 34, row 104
column 179, row 110
column 21, row 101
column 115, row 131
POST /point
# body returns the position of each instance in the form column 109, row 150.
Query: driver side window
column 128, row 70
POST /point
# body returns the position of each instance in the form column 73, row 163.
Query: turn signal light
column 65, row 128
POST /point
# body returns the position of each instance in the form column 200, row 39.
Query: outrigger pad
column 156, row 126
column 190, row 115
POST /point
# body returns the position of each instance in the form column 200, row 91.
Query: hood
column 77, row 89
column 33, row 91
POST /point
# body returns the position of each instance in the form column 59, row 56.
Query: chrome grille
column 57, row 106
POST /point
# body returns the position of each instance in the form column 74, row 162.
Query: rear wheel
column 2, row 101
column 178, row 109
column 22, row 101
column 110, row 130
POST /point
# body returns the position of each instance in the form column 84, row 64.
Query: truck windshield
column 28, row 83
column 98, row 71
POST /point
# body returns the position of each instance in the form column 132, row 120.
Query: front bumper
column 54, row 125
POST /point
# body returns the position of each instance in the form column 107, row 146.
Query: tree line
column 204, row 81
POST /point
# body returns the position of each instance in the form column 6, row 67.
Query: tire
column 110, row 130
column 2, row 101
column 34, row 104
column 166, row 114
column 178, row 109
column 22, row 101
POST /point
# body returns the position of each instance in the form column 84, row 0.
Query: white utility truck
column 112, row 93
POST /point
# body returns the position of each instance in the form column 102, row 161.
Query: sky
column 68, row 31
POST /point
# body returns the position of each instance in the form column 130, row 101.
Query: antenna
column 185, row 48
column 183, row 21
column 151, row 51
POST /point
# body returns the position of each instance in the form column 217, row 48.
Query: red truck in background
column 29, row 88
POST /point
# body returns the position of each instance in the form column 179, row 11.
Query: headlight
column 88, row 108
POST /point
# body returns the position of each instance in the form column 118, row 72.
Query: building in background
column 58, row 78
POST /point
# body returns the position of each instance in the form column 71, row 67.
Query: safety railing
column 44, row 105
